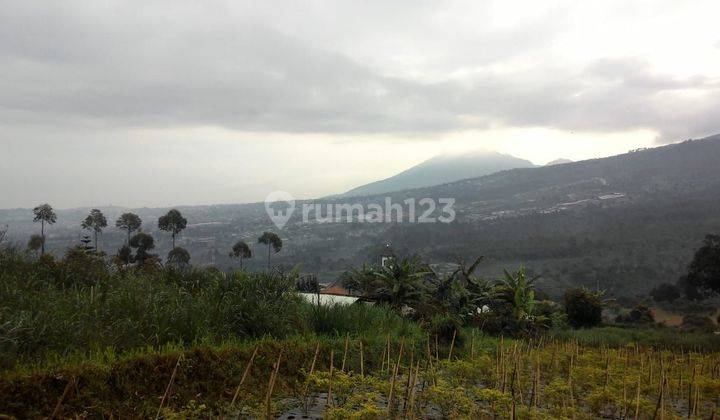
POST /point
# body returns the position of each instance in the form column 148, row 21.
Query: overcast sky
column 155, row 103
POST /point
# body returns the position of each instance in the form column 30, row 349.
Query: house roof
column 336, row 289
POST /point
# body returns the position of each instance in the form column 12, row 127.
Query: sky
column 161, row 103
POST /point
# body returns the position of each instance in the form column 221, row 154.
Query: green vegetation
column 124, row 331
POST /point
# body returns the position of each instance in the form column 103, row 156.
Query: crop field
column 470, row 377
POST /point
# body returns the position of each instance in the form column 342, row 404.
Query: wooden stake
column 167, row 389
column 392, row 391
column 412, row 392
column 472, row 345
column 452, row 345
column 362, row 361
column 245, row 374
column 312, row 369
column 66, row 391
column 329, row 393
column 347, row 338
column 271, row 386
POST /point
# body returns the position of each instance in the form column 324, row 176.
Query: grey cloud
column 172, row 64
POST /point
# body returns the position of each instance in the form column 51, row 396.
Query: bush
column 697, row 323
column 640, row 314
column 583, row 308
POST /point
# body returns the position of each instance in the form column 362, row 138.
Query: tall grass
column 81, row 305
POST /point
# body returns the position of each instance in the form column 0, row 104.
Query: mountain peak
column 443, row 168
column 558, row 162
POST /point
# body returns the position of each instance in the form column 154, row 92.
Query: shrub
column 640, row 314
column 697, row 323
column 583, row 308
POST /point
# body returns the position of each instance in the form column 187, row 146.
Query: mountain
column 623, row 224
column 558, row 162
column 442, row 169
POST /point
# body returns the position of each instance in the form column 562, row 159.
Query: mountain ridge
column 441, row 169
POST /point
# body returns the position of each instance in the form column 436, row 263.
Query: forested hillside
column 624, row 223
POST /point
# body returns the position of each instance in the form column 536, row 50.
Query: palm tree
column 96, row 222
column 273, row 242
column 44, row 213
column 129, row 222
column 241, row 250
column 172, row 222
column 402, row 284
column 179, row 257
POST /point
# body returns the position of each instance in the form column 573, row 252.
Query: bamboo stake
column 389, row 349
column 347, row 338
column 382, row 364
column 245, row 374
column 690, row 392
column 452, row 345
column 472, row 345
column 659, row 405
column 409, row 378
column 307, row 382
column 362, row 361
column 412, row 392
column 637, row 398
column 271, row 386
column 330, row 402
column 66, row 391
column 392, row 391
column 167, row 389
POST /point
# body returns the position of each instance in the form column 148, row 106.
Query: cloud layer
column 257, row 68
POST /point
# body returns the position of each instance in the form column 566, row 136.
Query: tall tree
column 172, row 222
column 3, row 232
column 96, row 222
column 44, row 213
column 273, row 242
column 704, row 270
column 129, row 222
column 241, row 250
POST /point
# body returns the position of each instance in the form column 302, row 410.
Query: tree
column 172, row 222
column 273, row 242
column 401, row 284
column 583, row 308
column 704, row 270
column 697, row 323
column 522, row 291
column 129, row 222
column 665, row 292
column 95, row 222
column 143, row 243
column 124, row 255
column 44, row 213
column 241, row 250
column 3, row 232
column 35, row 243
column 179, row 257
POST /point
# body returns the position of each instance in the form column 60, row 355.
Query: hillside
column 442, row 169
column 624, row 223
